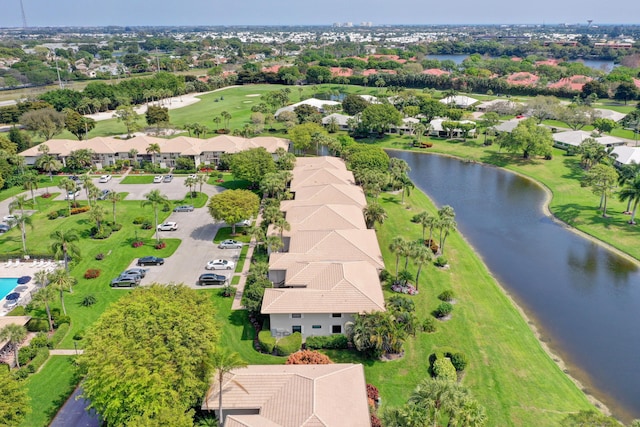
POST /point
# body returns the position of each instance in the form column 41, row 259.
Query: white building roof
column 314, row 102
column 459, row 100
column 341, row 119
column 436, row 124
column 610, row 114
column 576, row 137
column 627, row 155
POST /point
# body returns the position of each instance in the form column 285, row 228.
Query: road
column 74, row 414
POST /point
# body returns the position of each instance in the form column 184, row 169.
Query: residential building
column 460, row 101
column 574, row 138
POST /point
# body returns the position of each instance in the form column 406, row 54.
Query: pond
column 584, row 298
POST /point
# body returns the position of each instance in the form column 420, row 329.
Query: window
column 336, row 329
column 316, row 327
column 336, row 314
column 296, row 316
column 296, row 328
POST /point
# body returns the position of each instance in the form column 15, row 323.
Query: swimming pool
column 7, row 284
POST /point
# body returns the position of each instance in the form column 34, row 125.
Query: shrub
column 92, row 273
column 88, row 301
column 116, row 227
column 161, row 245
column 25, row 354
column 103, row 233
column 146, row 225
column 76, row 211
column 373, row 392
column 336, row 341
column 444, row 309
column 289, row 344
column 137, row 244
column 41, row 356
column 429, row 325
column 59, row 334
column 61, row 319
column 100, row 257
column 38, row 325
column 308, row 357
column 375, row 421
column 267, row 342
column 46, row 195
column 385, row 276
column 21, row 374
column 62, row 212
column 53, row 215
column 443, row 368
column 79, row 335
column 40, row 340
column 139, row 220
column 447, row 295
column 440, row 261
column 459, row 361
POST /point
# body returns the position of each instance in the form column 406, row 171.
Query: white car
column 243, row 223
column 220, row 264
column 158, row 179
column 105, row 178
column 71, row 195
column 193, row 176
column 9, row 218
column 168, row 226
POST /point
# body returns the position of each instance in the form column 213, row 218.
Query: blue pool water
column 7, row 285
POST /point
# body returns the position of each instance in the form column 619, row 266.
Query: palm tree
column 63, row 245
column 86, row 181
column 61, row 281
column 30, row 183
column 421, row 255
column 49, row 163
column 114, row 198
column 226, row 117
column 15, row 334
column 155, row 199
column 18, row 202
column 97, row 214
column 438, row 395
column 22, row 221
column 628, row 173
column 153, row 149
column 274, row 243
column 282, row 224
column 395, row 247
column 258, row 234
column 406, row 185
column 45, row 295
column 191, row 183
column 631, row 192
column 374, row 212
column 133, row 153
column 224, row 362
column 471, row 413
column 69, row 186
column 201, row 179
column 446, row 222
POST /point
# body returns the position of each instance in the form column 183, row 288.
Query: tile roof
column 311, row 177
column 572, row 83
column 435, row 72
column 325, row 194
column 294, row 396
column 522, row 79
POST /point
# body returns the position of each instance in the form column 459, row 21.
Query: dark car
column 135, row 271
column 103, row 194
column 150, row 260
column 125, row 281
column 211, row 279
column 4, row 228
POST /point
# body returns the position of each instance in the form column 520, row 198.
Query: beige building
column 292, row 396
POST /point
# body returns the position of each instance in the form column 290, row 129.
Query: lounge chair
column 9, row 263
column 17, row 263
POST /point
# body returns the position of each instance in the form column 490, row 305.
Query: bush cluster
column 59, row 334
column 308, row 357
column 443, row 368
column 139, row 220
column 267, row 342
column 92, row 273
column 440, row 261
column 37, row 325
column 161, row 245
column 146, row 225
column 53, row 215
column 447, row 295
column 76, row 211
column 289, row 344
column 137, row 244
column 444, row 309
column 336, row 341
column 100, row 256
column 88, row 301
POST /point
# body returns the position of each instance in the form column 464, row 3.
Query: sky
column 41, row 13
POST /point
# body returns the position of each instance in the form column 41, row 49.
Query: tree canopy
column 529, row 138
column 14, row 404
column 232, row 206
column 252, row 165
column 146, row 354
column 379, row 117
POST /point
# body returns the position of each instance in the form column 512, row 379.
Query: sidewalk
column 65, row 352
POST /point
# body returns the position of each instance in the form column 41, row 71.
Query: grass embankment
column 509, row 372
column 571, row 203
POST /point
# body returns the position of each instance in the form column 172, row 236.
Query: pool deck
column 23, row 268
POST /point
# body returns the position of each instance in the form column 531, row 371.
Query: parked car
column 135, row 271
column 183, row 208
column 71, row 195
column 230, row 244
column 9, row 218
column 150, row 260
column 168, row 178
column 192, row 176
column 220, row 264
column 243, row 223
column 168, row 226
column 4, row 228
column 103, row 194
column 105, row 178
column 125, row 281
column 211, row 279
column 158, row 179
column 74, row 177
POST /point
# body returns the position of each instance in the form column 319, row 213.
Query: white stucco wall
column 282, row 324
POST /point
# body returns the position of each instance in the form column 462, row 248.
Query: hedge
column 267, row 342
column 41, row 356
column 59, row 334
column 337, row 341
column 443, row 368
column 289, row 344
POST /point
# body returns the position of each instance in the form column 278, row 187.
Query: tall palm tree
column 22, row 221
column 374, row 212
column 628, row 173
column 421, row 255
column 226, row 116
column 18, row 203
column 86, row 181
column 282, row 225
column 631, row 192
column 155, row 199
column 395, row 247
column 114, row 198
column 45, row 295
column 153, row 149
column 224, row 362
column 201, row 179
column 191, row 183
column 97, row 214
column 15, row 334
column 438, row 396
column 49, row 164
column 94, row 193
column 61, row 281
column 30, row 183
column 63, row 245
column 133, row 153
column 69, row 186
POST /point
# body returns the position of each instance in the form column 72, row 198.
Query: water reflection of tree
column 592, row 260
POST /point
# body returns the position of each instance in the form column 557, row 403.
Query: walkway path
column 65, row 352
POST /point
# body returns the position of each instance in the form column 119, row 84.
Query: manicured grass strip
column 138, row 179
column 235, row 280
column 229, row 182
column 224, row 233
column 508, row 372
column 198, row 200
column 242, row 258
column 49, row 389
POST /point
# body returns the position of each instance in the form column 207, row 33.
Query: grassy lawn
column 229, row 182
column 49, row 389
column 224, row 233
column 509, row 372
column 138, row 179
column 242, row 258
column 198, row 200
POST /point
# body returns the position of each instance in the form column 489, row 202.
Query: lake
column 584, row 298
column 598, row 64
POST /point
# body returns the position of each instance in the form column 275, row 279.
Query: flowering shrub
column 91, row 273
column 46, row 195
column 404, row 289
column 372, row 392
column 53, row 215
column 137, row 243
column 161, row 245
column 100, row 257
column 82, row 209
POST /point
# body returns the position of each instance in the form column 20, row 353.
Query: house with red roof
column 549, row 62
column 637, row 83
column 523, row 78
column 341, row 72
column 436, row 72
column 372, row 71
column 571, row 83
column 271, row 69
